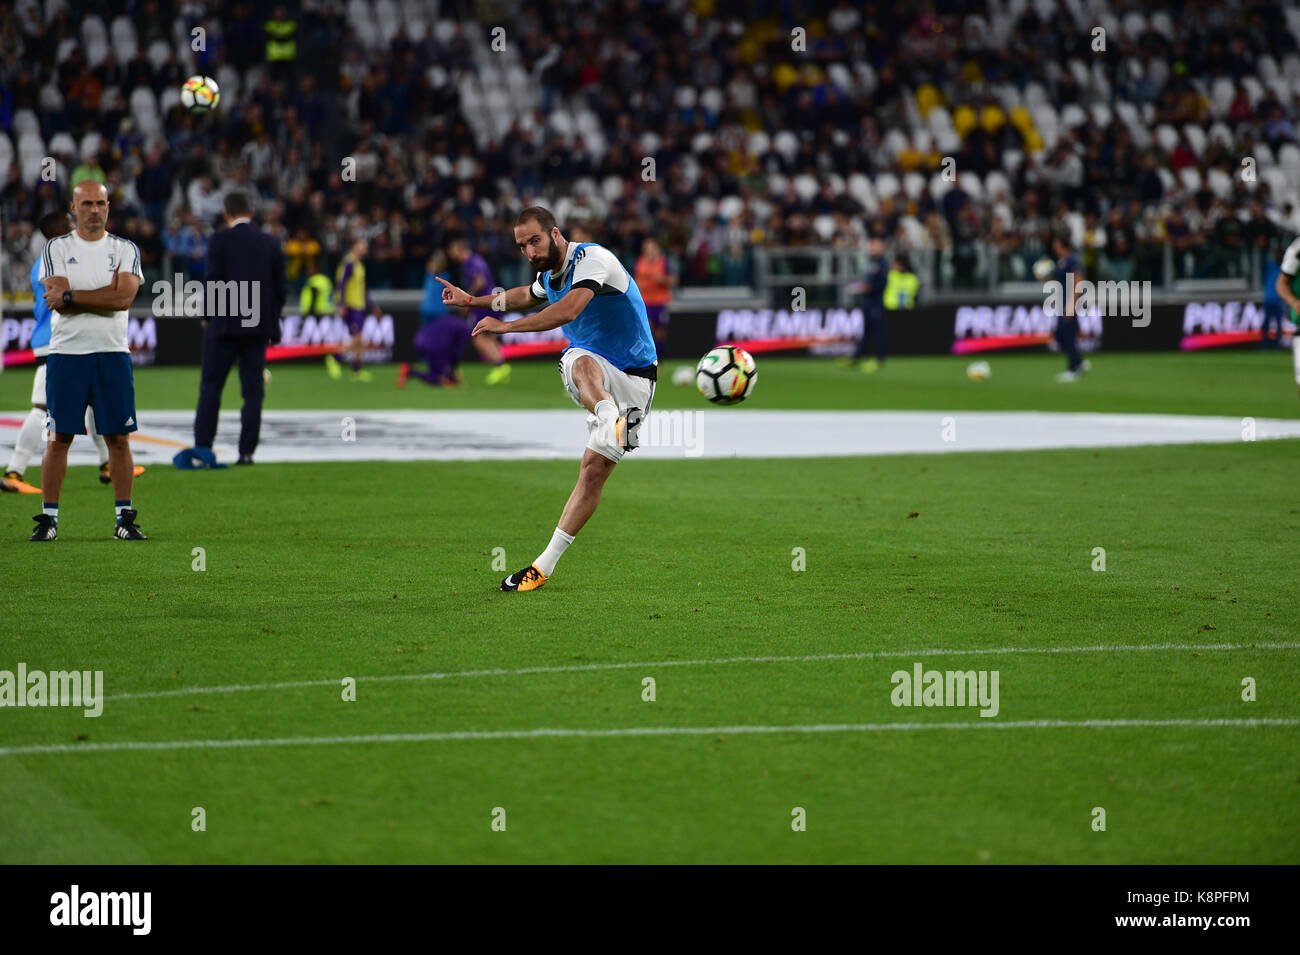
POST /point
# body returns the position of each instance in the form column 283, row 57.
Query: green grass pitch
column 382, row 572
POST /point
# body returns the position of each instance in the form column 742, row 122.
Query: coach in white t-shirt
column 90, row 278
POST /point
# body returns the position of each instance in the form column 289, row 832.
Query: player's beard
column 551, row 262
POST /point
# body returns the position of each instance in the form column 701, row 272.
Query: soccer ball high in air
column 200, row 94
column 1043, row 269
column 978, row 370
column 726, row 375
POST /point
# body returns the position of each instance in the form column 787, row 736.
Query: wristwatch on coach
column 67, row 296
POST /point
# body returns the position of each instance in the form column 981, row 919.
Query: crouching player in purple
column 439, row 343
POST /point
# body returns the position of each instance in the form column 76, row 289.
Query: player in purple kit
column 353, row 302
column 476, row 279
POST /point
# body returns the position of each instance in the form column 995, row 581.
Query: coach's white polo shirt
column 88, row 266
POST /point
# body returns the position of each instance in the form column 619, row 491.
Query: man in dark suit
column 243, row 254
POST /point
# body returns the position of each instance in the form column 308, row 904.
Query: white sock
column 100, row 444
column 560, row 542
column 29, row 441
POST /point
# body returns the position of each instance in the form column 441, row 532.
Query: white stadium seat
column 887, row 185
column 25, row 121
column 806, row 187
column 1073, row 116
column 62, row 144
column 1166, row 137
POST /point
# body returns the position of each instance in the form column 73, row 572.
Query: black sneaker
column 530, row 578
column 627, row 426
column 126, row 529
column 46, row 528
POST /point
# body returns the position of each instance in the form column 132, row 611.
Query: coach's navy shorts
column 104, row 381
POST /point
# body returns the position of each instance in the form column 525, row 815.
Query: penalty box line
column 596, row 667
column 635, row 731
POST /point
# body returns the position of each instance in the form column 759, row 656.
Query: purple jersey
column 476, row 272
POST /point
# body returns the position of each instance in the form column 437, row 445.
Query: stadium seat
column 806, row 187
column 730, row 206
column 895, row 141
column 776, row 184
column 887, row 185
column 859, row 187
column 1220, row 182
column 1195, row 137
column 1190, row 177
column 1220, row 133
column 996, row 183
column 25, row 121
column 1222, row 93
column 948, row 143
column 824, row 227
column 228, row 79
column 169, row 99
column 1166, row 137
column 50, row 100
column 1073, row 115
column 1277, row 181
column 159, row 51
column 939, row 185
column 122, row 32
column 914, row 185
column 1167, row 178
column 1133, row 25
column 93, row 30
column 62, row 144
column 787, row 144
column 90, row 144
column 840, row 76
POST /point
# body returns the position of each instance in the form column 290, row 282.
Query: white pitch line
column 588, row 667
column 632, row 731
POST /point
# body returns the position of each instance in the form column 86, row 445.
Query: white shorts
column 628, row 391
column 38, row 386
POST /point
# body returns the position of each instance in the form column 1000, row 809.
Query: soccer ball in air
column 978, row 370
column 1043, row 269
column 200, row 94
column 726, row 375
column 683, row 375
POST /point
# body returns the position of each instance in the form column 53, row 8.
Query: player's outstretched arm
column 512, row 299
column 553, row 316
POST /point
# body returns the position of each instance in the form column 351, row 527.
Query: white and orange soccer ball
column 200, row 94
column 726, row 375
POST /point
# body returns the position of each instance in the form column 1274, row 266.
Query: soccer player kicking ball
column 609, row 367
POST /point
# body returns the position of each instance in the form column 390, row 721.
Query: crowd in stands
column 967, row 130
